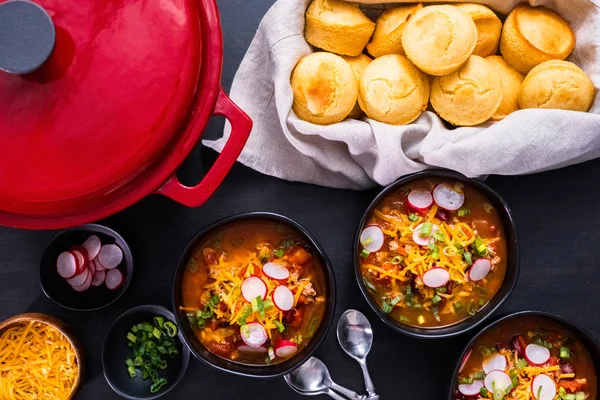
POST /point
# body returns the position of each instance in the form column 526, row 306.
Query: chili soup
column 433, row 252
column 254, row 292
column 527, row 357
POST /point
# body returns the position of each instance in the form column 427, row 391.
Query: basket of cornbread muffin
column 462, row 59
column 357, row 94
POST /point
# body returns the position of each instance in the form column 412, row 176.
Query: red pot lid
column 113, row 92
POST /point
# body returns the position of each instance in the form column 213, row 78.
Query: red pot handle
column 241, row 125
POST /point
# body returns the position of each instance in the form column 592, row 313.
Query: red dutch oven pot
column 107, row 119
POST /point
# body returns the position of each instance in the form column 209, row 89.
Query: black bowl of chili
column 575, row 354
column 424, row 300
column 224, row 312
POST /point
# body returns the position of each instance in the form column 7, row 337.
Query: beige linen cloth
column 359, row 154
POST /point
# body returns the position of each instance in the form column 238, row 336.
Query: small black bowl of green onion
column 143, row 356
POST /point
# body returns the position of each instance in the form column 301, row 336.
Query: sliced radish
column 536, row 354
column 253, row 334
column 85, row 286
column 66, row 265
column 285, row 348
column 423, row 241
column 114, row 279
column 98, row 266
column 480, row 269
column 99, row 278
column 92, row 267
column 497, row 362
column 464, row 360
column 92, row 245
column 249, row 349
column 276, row 271
column 110, row 256
column 420, row 200
column 436, row 277
column 79, row 279
column 80, row 260
column 448, row 196
column 283, row 298
column 371, row 238
column 254, row 287
column 83, row 251
column 471, row 389
column 497, row 380
column 543, row 386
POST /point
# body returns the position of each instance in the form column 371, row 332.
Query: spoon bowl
column 355, row 334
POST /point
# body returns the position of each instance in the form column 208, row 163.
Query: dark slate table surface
column 558, row 222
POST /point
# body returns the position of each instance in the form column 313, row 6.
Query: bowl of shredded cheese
column 39, row 359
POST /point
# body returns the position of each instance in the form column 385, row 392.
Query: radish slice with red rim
column 66, row 265
column 464, row 360
column 496, row 362
column 543, row 387
column 83, row 251
column 436, row 277
column 471, row 389
column 449, row 197
column 92, row 245
column 79, row 279
column 536, row 354
column 86, row 284
column 276, row 271
column 420, row 200
column 244, row 348
column 371, row 238
column 253, row 334
column 110, row 256
column 480, row 269
column 254, row 287
column 497, row 380
column 99, row 266
column 114, row 279
column 285, row 348
column 99, row 278
column 80, row 260
column 92, row 267
column 283, row 298
column 423, row 241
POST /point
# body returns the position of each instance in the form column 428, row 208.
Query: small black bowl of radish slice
column 86, row 268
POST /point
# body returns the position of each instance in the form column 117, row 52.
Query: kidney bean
column 442, row 215
column 567, row 368
column 518, row 344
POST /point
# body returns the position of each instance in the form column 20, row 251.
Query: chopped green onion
column 396, row 260
column 521, row 363
column 436, row 299
column 426, row 229
column 464, row 211
column 409, row 290
column 442, row 289
column 499, row 394
column 131, row 337
column 418, row 306
column 465, row 380
column 255, row 304
column 468, row 258
column 173, row 352
column 369, row 284
column 539, row 392
column 279, row 253
column 483, row 392
column 484, row 351
column 365, row 253
column 367, row 241
column 479, row 375
column 171, row 328
column 246, row 312
column 404, row 319
column 488, row 208
column 280, row 229
column 565, row 353
column 541, row 342
column 580, row 396
column 279, row 325
column 413, row 217
column 156, row 386
column 435, row 312
column 134, row 329
column 159, row 321
column 131, row 371
column 439, row 236
column 156, row 333
column 129, row 362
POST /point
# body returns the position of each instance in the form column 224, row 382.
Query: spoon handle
column 368, row 382
column 334, row 395
column 352, row 395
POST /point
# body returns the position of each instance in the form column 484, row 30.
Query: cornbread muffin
column 338, row 27
column 358, row 65
column 511, row 84
column 532, row 35
column 393, row 90
column 488, row 26
column 387, row 38
column 468, row 96
column 325, row 88
column 439, row 39
column 557, row 84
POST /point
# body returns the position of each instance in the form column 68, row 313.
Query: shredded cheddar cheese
column 36, row 362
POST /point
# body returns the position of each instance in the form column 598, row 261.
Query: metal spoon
column 356, row 337
column 312, row 378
